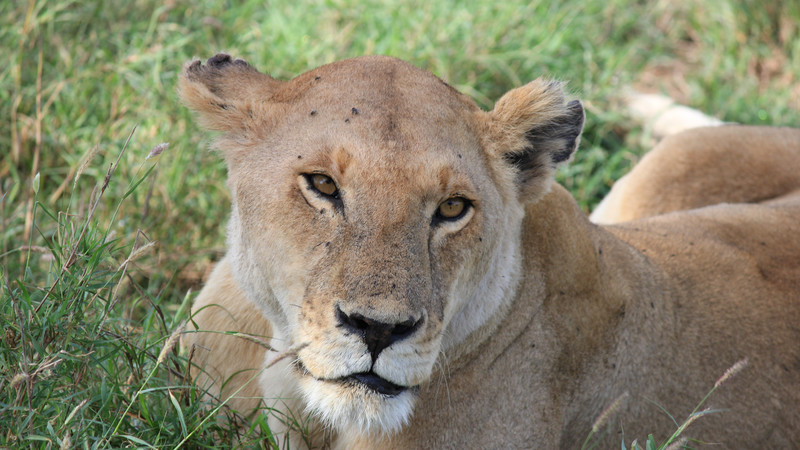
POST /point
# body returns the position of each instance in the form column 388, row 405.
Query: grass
column 677, row 439
column 101, row 249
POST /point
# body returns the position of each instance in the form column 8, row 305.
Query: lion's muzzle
column 377, row 334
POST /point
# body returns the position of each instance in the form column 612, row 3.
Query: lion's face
column 374, row 219
column 369, row 223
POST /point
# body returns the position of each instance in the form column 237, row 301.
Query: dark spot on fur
column 764, row 243
column 327, row 244
column 459, row 156
column 600, row 251
column 652, row 305
column 220, row 59
column 317, row 78
column 299, row 157
column 347, row 120
column 691, row 243
column 221, row 105
column 561, row 292
column 355, row 111
column 322, row 211
column 480, row 239
column 313, row 111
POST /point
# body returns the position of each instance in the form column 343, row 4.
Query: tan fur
column 528, row 320
column 706, row 166
column 220, row 310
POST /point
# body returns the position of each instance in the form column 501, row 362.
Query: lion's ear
column 224, row 92
column 533, row 129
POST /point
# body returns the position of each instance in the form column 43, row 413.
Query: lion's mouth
column 369, row 380
column 375, row 383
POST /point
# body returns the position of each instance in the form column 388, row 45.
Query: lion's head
column 376, row 215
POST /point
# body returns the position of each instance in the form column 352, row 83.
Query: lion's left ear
column 532, row 129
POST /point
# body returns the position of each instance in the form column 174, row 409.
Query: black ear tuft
column 216, row 68
column 549, row 144
column 556, row 139
column 570, row 131
column 223, row 59
column 220, row 59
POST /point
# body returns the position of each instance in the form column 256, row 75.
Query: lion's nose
column 376, row 334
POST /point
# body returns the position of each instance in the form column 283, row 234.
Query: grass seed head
column 171, row 341
column 606, row 414
column 731, row 372
column 157, row 150
column 85, row 163
column 138, row 253
column 35, row 183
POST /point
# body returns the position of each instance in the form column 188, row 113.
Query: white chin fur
column 358, row 410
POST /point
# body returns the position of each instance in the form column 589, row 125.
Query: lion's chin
column 361, row 403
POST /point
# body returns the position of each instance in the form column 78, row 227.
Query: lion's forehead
column 384, row 103
column 383, row 83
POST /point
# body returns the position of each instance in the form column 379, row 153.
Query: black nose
column 376, row 334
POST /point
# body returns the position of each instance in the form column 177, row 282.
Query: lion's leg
column 225, row 363
column 706, row 166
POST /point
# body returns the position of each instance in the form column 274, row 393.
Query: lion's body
column 528, row 320
column 705, row 167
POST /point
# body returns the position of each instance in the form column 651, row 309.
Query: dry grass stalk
column 253, row 339
column 292, row 351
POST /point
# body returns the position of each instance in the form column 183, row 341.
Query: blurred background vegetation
column 87, row 301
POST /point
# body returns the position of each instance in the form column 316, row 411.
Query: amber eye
column 323, row 184
column 452, row 208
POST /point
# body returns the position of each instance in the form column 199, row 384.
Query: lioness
column 435, row 288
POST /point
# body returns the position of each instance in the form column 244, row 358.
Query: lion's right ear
column 226, row 93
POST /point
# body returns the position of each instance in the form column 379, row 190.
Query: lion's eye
column 452, row 209
column 323, row 184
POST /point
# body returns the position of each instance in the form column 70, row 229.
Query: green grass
column 85, row 313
